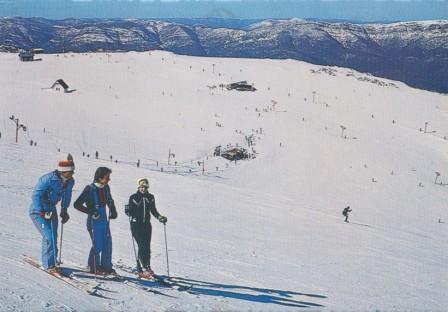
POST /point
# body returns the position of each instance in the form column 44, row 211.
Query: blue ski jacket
column 49, row 191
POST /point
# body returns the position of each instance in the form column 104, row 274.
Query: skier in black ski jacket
column 141, row 206
column 94, row 200
column 345, row 213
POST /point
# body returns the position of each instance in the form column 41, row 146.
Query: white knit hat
column 66, row 164
column 143, row 182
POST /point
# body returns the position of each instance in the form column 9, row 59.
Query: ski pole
column 166, row 251
column 132, row 238
column 62, row 232
column 133, row 245
column 54, row 240
column 94, row 247
column 60, row 244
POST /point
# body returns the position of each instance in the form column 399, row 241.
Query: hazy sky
column 356, row 10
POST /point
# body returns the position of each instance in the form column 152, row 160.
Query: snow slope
column 265, row 234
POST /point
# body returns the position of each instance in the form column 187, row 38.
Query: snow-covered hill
column 263, row 234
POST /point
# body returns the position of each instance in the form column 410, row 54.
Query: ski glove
column 163, row 219
column 82, row 208
column 64, row 217
column 96, row 215
column 46, row 214
column 126, row 210
column 113, row 212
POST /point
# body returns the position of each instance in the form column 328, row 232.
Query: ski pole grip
column 126, row 209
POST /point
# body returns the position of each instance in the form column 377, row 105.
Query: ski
column 162, row 280
column 165, row 281
column 74, row 274
column 85, row 270
column 116, row 278
column 139, row 286
column 128, row 282
column 85, row 287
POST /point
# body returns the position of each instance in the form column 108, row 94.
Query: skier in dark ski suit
column 141, row 205
column 345, row 213
column 93, row 201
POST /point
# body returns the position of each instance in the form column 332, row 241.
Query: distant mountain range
column 413, row 52
column 353, row 10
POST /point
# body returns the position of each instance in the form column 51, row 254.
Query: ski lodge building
column 26, row 56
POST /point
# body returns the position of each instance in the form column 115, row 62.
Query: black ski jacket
column 346, row 211
column 93, row 197
column 141, row 206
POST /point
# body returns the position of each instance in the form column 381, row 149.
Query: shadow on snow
column 261, row 295
column 251, row 294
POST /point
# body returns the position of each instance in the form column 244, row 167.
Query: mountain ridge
column 413, row 52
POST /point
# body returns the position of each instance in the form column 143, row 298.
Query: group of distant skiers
column 56, row 187
column 110, row 157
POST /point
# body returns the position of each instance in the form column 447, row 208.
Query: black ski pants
column 142, row 235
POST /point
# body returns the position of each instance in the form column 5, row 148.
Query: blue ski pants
column 100, row 255
column 49, row 231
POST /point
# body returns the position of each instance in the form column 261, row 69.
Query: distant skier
column 51, row 189
column 93, row 201
column 141, row 205
column 96, row 155
column 345, row 213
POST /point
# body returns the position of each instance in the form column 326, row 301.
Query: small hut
column 60, row 85
column 240, row 86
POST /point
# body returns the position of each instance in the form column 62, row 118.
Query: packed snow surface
column 264, row 234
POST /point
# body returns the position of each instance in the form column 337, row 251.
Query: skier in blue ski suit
column 93, row 201
column 51, row 189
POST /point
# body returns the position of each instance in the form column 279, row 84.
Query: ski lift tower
column 18, row 126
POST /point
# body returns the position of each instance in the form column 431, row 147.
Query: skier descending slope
column 141, row 205
column 51, row 189
column 346, row 212
column 93, row 201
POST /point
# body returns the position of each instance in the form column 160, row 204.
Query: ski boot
column 110, row 272
column 98, row 271
column 147, row 274
column 54, row 270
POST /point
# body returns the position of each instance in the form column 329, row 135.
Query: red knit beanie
column 66, row 164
